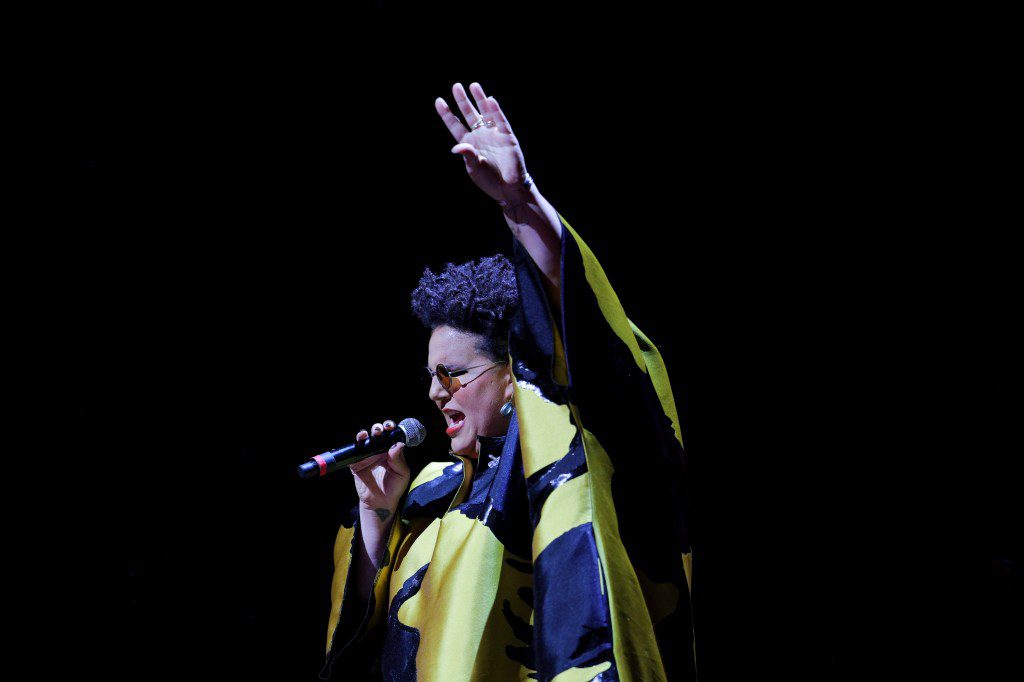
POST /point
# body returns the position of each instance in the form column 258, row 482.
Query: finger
column 377, row 429
column 396, row 459
column 469, row 155
column 478, row 94
column 465, row 106
column 451, row 121
column 363, row 466
column 388, row 424
column 369, row 482
column 367, row 463
column 472, row 160
column 499, row 116
column 362, row 435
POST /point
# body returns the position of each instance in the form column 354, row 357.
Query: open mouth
column 458, row 419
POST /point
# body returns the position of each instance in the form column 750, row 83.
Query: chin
column 461, row 450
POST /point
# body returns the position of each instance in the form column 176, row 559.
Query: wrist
column 377, row 514
column 515, row 200
column 514, row 193
column 376, row 524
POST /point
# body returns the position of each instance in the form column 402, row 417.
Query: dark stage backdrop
column 242, row 217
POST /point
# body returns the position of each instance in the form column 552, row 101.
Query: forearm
column 535, row 223
column 375, row 525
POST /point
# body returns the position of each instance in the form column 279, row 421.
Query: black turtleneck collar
column 490, row 445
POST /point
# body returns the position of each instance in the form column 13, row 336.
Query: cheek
column 482, row 403
column 475, row 403
column 472, row 406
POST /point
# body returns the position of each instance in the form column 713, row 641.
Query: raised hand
column 382, row 479
column 491, row 151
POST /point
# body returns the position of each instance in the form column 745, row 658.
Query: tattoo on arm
column 382, row 513
column 516, row 215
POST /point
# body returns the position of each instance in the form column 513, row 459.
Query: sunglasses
column 449, row 378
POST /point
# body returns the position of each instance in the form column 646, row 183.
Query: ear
column 509, row 388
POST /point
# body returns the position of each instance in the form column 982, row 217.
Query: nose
column 437, row 392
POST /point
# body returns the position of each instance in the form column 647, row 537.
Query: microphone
column 410, row 431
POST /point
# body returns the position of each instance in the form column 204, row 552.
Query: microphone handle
column 332, row 460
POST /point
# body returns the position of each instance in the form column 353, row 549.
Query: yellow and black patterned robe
column 568, row 559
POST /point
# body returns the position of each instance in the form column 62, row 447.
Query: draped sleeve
column 352, row 634
column 356, row 638
column 603, row 460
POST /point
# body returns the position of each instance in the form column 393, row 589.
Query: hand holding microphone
column 381, row 480
column 376, row 460
column 381, row 477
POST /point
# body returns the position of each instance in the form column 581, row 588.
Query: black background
column 239, row 206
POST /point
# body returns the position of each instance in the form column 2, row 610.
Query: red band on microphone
column 323, row 464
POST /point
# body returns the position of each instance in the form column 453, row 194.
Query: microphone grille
column 414, row 432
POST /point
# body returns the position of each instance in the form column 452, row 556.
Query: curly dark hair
column 477, row 296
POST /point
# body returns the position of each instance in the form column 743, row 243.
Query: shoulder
column 433, row 489
column 434, row 470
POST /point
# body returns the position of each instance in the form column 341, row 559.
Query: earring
column 506, row 409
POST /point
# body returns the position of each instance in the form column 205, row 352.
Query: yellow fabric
column 635, row 647
column 342, row 559
column 468, row 599
column 612, row 309
column 343, row 546
column 544, row 428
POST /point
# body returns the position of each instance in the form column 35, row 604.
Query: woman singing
column 552, row 543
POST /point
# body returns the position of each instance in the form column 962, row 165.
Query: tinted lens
column 444, row 377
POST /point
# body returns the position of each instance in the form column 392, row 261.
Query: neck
column 489, row 445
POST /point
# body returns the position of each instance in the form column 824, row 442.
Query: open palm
column 492, row 154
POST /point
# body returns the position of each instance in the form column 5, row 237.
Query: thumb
column 396, row 458
column 469, row 155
